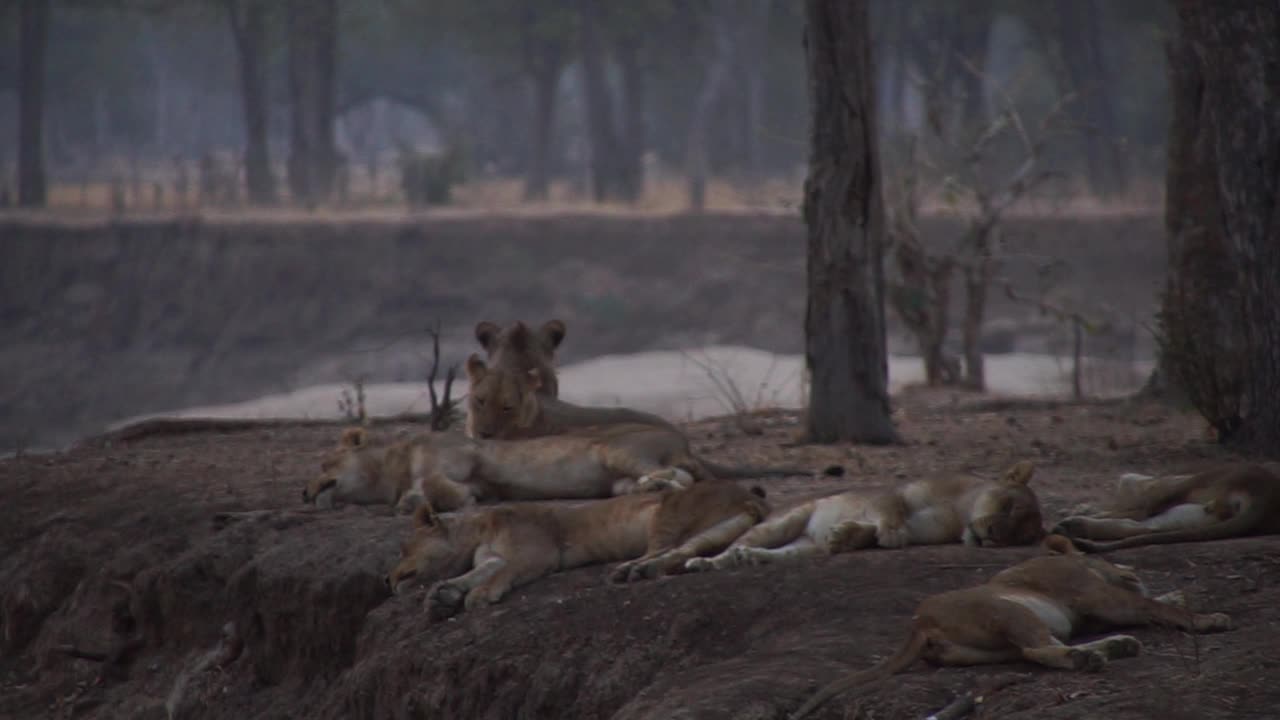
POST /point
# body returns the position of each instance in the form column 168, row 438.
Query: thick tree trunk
column 313, row 40
column 546, row 83
column 845, row 351
column 248, row 20
column 1201, row 327
column 607, row 177
column 1238, row 42
column 1079, row 34
column 33, row 39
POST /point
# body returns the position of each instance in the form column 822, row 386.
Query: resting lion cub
column 924, row 512
column 517, row 350
column 1025, row 613
column 1229, row 501
column 449, row 471
column 483, row 554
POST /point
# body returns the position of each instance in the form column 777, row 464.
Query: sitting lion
column 518, row 350
column 1229, row 501
column 510, row 405
column 1026, row 613
column 483, row 554
column 506, row 405
column 449, row 471
column 924, row 512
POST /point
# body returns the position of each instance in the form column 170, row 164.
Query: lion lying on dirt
column 518, row 350
column 1229, row 501
column 965, row 509
column 484, row 554
column 450, row 471
column 1025, row 613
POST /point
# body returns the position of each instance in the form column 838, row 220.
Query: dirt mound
column 281, row 612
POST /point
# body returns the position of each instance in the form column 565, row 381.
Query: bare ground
column 322, row 639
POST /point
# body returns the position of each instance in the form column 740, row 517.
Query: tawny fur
column 965, row 509
column 506, row 405
column 517, row 349
column 480, row 555
column 451, row 471
column 1233, row 500
column 1027, row 612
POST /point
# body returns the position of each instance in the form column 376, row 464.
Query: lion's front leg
column 448, row 597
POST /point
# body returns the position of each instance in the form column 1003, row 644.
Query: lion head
column 517, row 349
column 431, row 551
column 500, row 403
column 1008, row 512
column 348, row 461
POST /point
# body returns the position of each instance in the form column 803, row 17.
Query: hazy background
column 634, row 168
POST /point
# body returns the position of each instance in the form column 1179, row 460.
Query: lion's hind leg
column 1118, row 607
column 775, row 532
column 1179, row 517
column 663, row 558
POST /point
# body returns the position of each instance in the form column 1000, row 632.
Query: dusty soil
column 109, row 320
column 322, row 639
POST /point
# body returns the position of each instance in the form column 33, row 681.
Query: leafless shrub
column 444, row 410
column 351, row 402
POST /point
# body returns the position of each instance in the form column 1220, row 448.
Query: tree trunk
column 633, row 121
column 33, row 39
column 1200, row 325
column 752, row 51
column 1079, row 35
column 976, row 281
column 845, row 352
column 1238, row 43
column 248, row 20
column 606, row 171
column 696, row 165
column 313, row 40
column 546, row 83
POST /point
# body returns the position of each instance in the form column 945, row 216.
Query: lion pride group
column 654, row 507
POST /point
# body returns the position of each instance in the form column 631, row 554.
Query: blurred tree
column 33, row 38
column 845, row 350
column 609, row 179
column 313, row 46
column 248, row 21
column 1238, row 45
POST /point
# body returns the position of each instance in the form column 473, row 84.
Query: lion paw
column 1123, row 646
column 444, row 601
column 699, row 564
column 892, row 537
column 1087, row 660
column 1176, row 598
column 324, row 500
column 621, row 574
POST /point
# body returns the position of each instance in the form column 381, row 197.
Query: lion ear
column 535, row 379
column 1020, row 474
column 553, row 332
column 487, row 334
column 354, row 437
column 425, row 516
column 1060, row 545
column 475, row 368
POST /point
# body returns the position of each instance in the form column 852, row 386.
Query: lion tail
column 908, row 654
